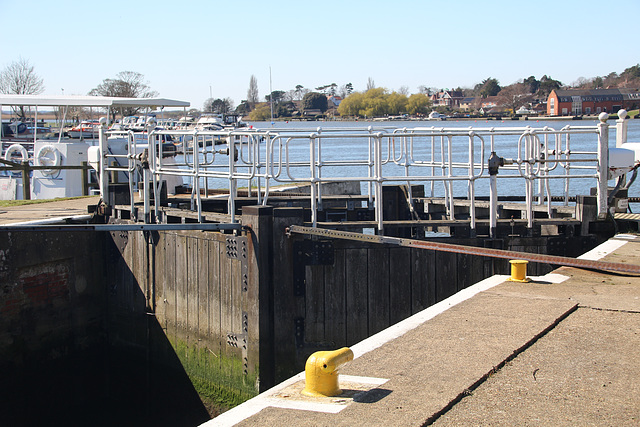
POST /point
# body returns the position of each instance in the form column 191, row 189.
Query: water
column 356, row 150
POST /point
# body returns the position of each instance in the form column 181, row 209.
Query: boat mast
column 270, row 95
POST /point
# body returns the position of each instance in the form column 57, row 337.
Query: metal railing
column 441, row 158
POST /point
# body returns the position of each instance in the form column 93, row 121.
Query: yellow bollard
column 519, row 270
column 321, row 372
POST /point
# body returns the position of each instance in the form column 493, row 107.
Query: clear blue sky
column 188, row 50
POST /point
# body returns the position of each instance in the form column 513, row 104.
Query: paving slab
column 583, row 372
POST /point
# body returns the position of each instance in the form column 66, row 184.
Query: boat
column 434, row 115
column 210, row 122
column 86, row 129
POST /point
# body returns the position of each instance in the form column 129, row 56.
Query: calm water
column 356, row 149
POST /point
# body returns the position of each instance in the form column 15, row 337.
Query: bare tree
column 127, row 84
column 370, row 84
column 19, row 78
column 252, row 93
column 515, row 96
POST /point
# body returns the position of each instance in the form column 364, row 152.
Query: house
column 489, row 102
column 468, row 104
column 334, row 100
column 448, row 98
column 576, row 102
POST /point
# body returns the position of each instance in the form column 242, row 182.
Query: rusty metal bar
column 469, row 250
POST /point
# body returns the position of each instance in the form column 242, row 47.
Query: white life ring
column 48, row 155
column 16, row 149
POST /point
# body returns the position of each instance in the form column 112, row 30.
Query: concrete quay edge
column 428, row 366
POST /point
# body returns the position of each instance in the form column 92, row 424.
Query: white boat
column 86, row 129
column 434, row 115
column 210, row 122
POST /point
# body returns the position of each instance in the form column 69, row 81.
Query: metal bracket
column 236, row 248
column 314, row 252
column 241, row 341
column 309, row 252
column 299, row 328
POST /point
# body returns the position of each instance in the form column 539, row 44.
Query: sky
column 194, row 50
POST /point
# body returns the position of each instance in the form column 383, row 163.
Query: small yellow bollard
column 321, row 372
column 519, row 270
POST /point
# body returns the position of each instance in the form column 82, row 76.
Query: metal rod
column 124, row 227
column 469, row 250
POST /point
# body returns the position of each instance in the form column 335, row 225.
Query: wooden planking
column 203, row 288
column 170, row 294
column 423, row 279
column 214, row 285
column 314, row 304
column 378, row 289
column 356, row 295
column 446, row 275
column 335, row 332
column 192, row 288
column 181, row 284
column 400, row 284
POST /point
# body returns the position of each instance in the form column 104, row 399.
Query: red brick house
column 576, row 102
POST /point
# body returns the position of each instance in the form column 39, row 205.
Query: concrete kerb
column 270, row 397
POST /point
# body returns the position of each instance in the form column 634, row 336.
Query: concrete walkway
column 561, row 350
column 47, row 210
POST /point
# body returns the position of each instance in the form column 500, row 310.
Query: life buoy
column 48, row 155
column 13, row 151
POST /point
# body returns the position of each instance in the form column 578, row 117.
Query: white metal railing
column 441, row 158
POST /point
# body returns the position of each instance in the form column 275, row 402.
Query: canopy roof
column 88, row 101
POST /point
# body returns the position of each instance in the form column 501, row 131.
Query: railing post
column 493, row 164
column 26, row 180
column 85, row 179
column 378, row 182
column 472, row 194
column 314, row 194
column 603, row 165
column 621, row 128
column 103, row 176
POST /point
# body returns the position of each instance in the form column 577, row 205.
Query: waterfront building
column 576, row 102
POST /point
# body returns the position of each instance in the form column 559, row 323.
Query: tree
column 315, row 101
column 127, row 84
column 630, row 77
column 352, row 105
column 532, row 84
column 515, row 96
column 547, row 84
column 418, row 103
column 396, row 103
column 218, row 106
column 370, row 84
column 260, row 113
column 276, row 96
column 488, row 87
column 252, row 92
column 19, row 78
column 349, row 88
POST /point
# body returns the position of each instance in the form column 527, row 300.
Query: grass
column 9, row 203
